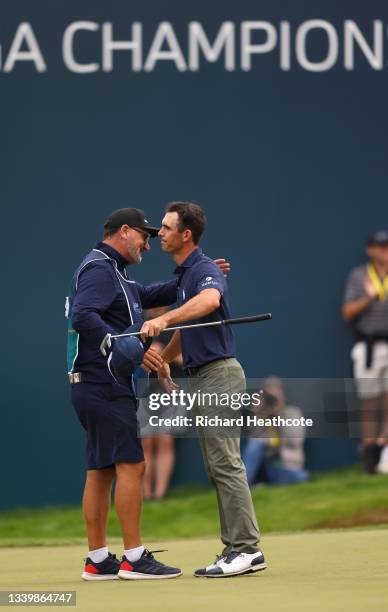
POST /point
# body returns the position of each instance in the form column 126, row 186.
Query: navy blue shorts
column 108, row 414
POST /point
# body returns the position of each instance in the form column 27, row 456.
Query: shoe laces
column 232, row 556
column 150, row 555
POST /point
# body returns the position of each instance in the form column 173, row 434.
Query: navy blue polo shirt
column 203, row 345
column 100, row 305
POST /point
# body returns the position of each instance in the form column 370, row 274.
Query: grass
column 344, row 498
column 340, row 571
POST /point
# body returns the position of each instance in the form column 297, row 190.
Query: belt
column 75, row 377
column 370, row 340
column 194, row 370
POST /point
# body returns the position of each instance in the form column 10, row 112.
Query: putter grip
column 261, row 317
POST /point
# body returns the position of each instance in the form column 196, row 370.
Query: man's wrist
column 369, row 299
column 169, row 318
column 166, row 357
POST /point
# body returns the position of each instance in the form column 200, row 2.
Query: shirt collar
column 111, row 252
column 189, row 261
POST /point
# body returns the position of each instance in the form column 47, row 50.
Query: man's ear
column 124, row 230
column 187, row 235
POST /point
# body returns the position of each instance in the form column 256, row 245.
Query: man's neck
column 184, row 253
column 115, row 244
column 381, row 269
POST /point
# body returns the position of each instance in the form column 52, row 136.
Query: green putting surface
column 334, row 570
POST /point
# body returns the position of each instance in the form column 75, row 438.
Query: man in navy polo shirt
column 104, row 300
column 209, row 360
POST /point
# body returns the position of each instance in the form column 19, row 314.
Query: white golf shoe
column 202, row 571
column 234, row 564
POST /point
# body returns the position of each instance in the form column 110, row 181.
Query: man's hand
column 165, row 380
column 152, row 361
column 370, row 289
column 106, row 345
column 153, row 327
column 223, row 265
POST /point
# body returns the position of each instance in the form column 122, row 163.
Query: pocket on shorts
column 118, row 390
column 358, row 351
column 88, row 393
column 381, row 354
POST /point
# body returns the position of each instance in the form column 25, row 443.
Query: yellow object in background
column 381, row 286
column 274, row 441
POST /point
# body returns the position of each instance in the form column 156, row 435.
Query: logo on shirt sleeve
column 210, row 281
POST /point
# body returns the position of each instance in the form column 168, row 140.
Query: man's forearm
column 173, row 348
column 199, row 306
column 351, row 310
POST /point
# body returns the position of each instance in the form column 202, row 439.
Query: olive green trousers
column 221, row 454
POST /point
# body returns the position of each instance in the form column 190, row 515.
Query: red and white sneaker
column 108, row 569
column 147, row 568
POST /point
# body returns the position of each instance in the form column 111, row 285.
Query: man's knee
column 226, row 467
column 148, row 445
column 130, row 470
column 102, row 476
column 166, row 444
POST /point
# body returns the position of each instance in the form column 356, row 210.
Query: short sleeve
column 209, row 277
column 354, row 289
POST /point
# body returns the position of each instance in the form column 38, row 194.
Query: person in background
column 366, row 306
column 278, row 457
column 159, row 450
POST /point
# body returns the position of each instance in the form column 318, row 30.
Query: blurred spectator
column 159, row 449
column 366, row 305
column 279, row 457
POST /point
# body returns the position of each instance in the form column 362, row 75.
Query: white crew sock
column 99, row 554
column 134, row 554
